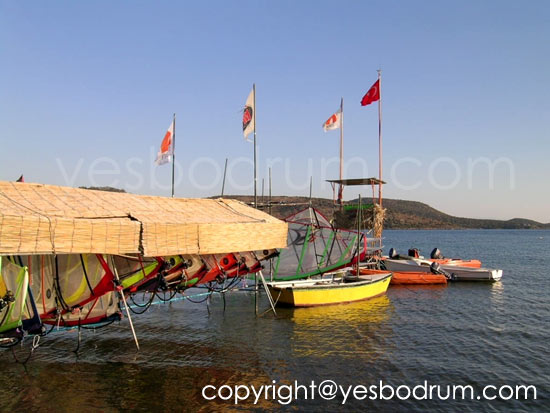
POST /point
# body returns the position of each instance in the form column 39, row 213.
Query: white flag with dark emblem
column 248, row 115
column 334, row 122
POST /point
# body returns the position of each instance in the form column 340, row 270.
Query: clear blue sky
column 80, row 81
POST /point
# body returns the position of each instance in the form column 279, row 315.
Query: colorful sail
column 315, row 247
column 14, row 281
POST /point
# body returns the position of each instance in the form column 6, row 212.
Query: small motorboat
column 408, row 277
column 472, row 274
column 435, row 256
column 336, row 288
column 454, row 272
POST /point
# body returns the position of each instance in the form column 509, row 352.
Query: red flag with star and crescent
column 372, row 95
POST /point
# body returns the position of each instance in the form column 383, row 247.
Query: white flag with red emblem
column 334, row 122
column 248, row 115
column 166, row 147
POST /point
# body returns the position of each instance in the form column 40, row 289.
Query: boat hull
column 457, row 273
column 458, row 262
column 409, row 278
column 309, row 293
column 417, row 278
column 473, row 274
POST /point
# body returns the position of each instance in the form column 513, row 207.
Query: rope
column 145, row 307
column 79, row 338
column 224, row 204
column 8, row 342
column 34, row 346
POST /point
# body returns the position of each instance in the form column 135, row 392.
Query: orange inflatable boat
column 411, row 278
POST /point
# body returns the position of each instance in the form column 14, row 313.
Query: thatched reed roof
column 44, row 219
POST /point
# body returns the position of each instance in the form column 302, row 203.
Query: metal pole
column 269, row 297
column 270, row 210
column 269, row 190
column 255, row 173
column 358, row 234
column 224, row 173
column 121, row 292
column 256, row 293
column 310, row 189
column 341, row 189
column 263, row 200
column 380, row 136
column 173, row 154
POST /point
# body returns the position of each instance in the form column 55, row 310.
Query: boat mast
column 341, row 187
column 269, row 190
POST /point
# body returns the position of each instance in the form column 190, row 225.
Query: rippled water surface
column 465, row 333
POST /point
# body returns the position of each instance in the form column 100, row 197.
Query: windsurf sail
column 315, row 247
column 14, row 282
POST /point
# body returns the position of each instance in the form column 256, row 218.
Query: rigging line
column 313, row 235
column 58, row 287
column 79, row 338
column 145, row 307
column 166, row 300
column 35, row 344
column 131, row 296
column 98, row 326
column 224, row 204
column 13, row 341
column 198, row 301
column 227, row 288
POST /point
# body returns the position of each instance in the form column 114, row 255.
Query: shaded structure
column 48, row 219
column 376, row 219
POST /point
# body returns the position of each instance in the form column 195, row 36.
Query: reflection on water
column 352, row 328
column 497, row 291
column 428, row 292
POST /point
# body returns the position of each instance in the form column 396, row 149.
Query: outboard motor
column 435, row 268
column 413, row 252
column 393, row 253
column 436, row 254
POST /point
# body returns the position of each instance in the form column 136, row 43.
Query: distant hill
column 400, row 214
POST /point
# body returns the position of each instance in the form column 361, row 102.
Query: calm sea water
column 465, row 333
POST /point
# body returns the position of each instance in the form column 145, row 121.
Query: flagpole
column 173, row 154
column 255, row 174
column 380, row 137
column 340, row 190
column 224, row 173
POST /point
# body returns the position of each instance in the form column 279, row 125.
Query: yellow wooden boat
column 325, row 291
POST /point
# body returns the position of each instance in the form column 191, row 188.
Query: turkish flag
column 372, row 95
